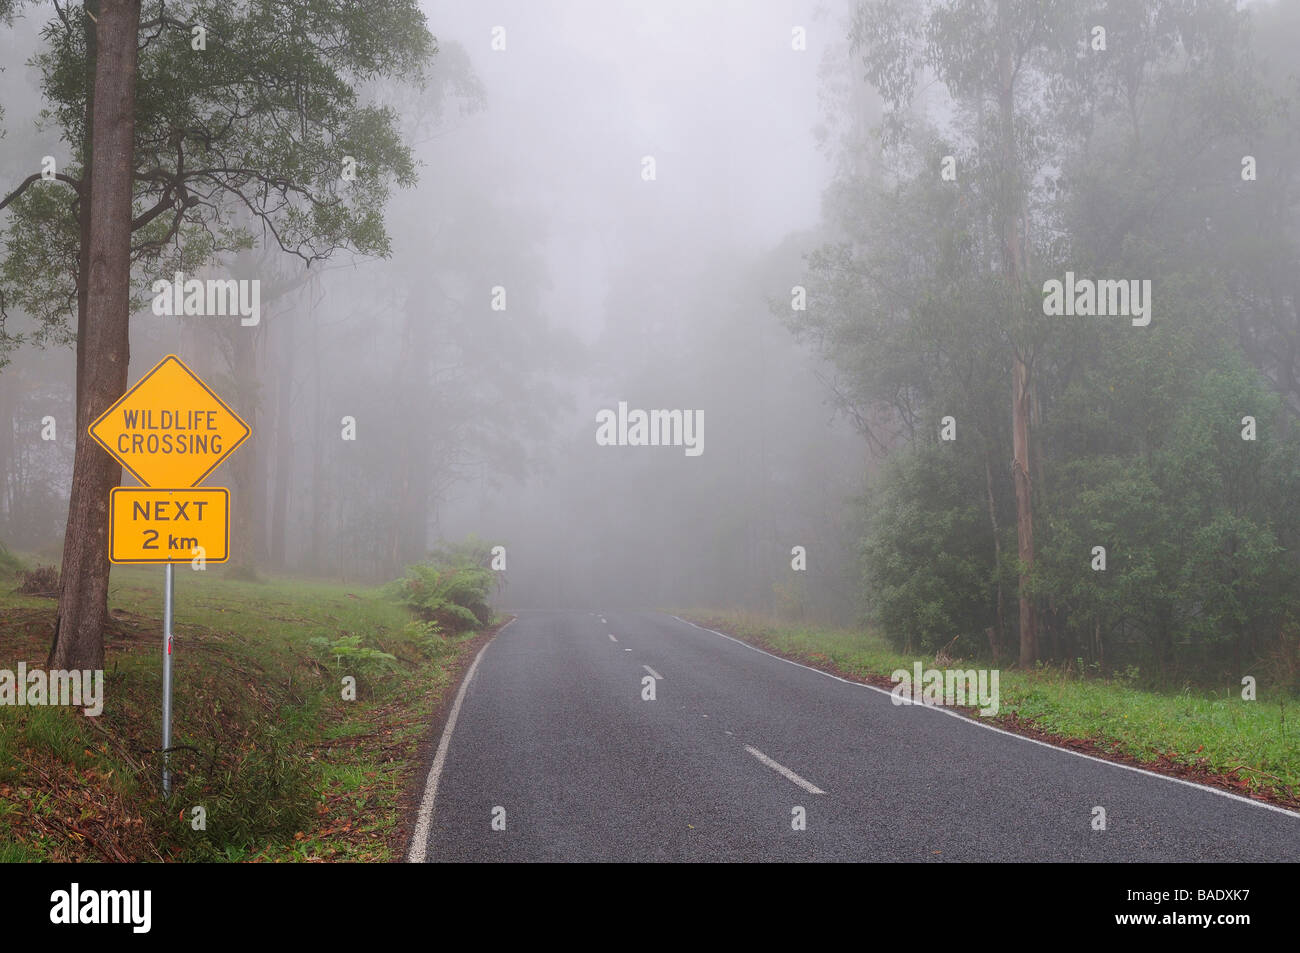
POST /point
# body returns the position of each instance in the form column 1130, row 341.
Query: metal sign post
column 169, row 579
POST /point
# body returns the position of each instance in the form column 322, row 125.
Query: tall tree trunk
column 83, row 201
column 247, row 472
column 7, row 468
column 410, row 469
column 998, row 633
column 1012, row 204
column 316, row 558
column 105, row 341
column 1024, row 508
column 283, row 444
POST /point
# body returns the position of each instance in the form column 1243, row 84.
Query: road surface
column 554, row 755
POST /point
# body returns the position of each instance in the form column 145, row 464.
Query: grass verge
column 284, row 767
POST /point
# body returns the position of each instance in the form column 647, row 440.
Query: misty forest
column 832, row 241
column 972, row 324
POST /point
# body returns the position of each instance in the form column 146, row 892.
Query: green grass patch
column 285, row 767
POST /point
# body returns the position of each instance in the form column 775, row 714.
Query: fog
column 659, row 282
column 775, row 231
column 618, row 285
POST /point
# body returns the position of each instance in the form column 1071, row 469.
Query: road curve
column 555, row 755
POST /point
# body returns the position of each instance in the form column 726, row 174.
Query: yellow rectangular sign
column 146, row 525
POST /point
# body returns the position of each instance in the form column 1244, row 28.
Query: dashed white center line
column 627, row 650
column 611, row 637
column 651, row 671
column 602, row 620
column 782, row 769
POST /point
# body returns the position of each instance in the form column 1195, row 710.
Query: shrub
column 451, row 590
column 258, row 792
column 41, row 581
column 347, row 652
column 928, row 555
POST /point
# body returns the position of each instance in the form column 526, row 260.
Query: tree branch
column 36, row 177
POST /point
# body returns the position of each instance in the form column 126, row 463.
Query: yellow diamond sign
column 170, row 429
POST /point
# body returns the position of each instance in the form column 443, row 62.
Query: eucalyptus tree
column 246, row 125
column 987, row 103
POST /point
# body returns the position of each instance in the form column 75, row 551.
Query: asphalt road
column 555, row 742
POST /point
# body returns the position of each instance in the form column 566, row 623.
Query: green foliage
column 350, row 656
column 41, row 241
column 1196, row 529
column 254, row 739
column 263, row 792
column 432, row 641
column 1108, row 166
column 452, row 589
column 243, row 139
column 928, row 552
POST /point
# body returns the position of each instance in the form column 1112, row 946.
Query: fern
column 450, row 590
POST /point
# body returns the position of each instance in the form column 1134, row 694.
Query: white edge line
column 651, row 671
column 419, row 848
column 1010, row 734
column 783, row 770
